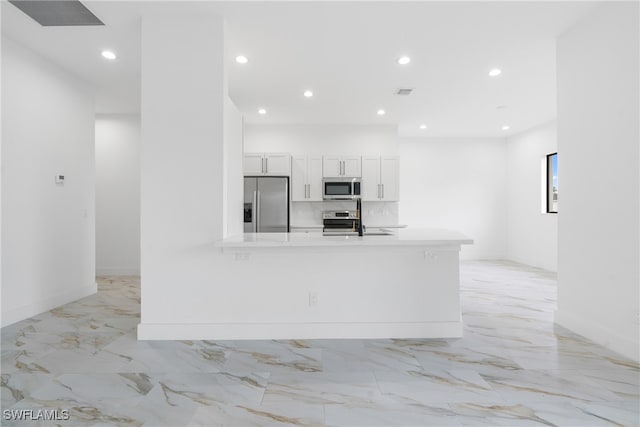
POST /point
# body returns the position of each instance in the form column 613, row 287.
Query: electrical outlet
column 430, row 255
column 242, row 256
column 313, row 299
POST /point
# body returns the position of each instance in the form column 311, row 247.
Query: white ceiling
column 346, row 53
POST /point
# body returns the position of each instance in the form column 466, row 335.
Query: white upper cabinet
column 341, row 166
column 298, row 179
column 351, row 166
column 380, row 179
column 314, row 178
column 277, row 163
column 331, row 166
column 306, row 178
column 266, row 164
column 379, row 174
column 390, row 179
column 370, row 187
column 253, row 164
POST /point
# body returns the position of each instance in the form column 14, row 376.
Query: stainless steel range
column 340, row 222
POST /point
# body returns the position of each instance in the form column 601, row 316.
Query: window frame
column 549, row 186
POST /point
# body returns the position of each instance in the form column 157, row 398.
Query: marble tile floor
column 512, row 368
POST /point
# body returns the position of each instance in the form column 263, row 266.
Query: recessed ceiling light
column 501, row 107
column 241, row 59
column 404, row 60
column 108, row 55
column 308, row 94
column 495, row 72
column 262, row 111
column 381, row 112
column 505, row 127
column 423, row 126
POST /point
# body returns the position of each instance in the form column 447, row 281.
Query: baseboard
column 117, row 271
column 269, row 331
column 601, row 335
column 530, row 263
column 13, row 315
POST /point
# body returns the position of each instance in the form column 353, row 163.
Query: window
column 552, row 183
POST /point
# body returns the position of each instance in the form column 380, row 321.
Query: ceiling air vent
column 57, row 13
column 404, row 91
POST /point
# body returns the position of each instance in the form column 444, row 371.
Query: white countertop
column 401, row 237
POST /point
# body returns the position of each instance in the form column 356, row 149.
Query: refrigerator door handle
column 257, row 193
column 382, row 191
column 266, row 165
column 254, row 213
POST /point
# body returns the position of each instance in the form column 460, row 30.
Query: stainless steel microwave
column 341, row 188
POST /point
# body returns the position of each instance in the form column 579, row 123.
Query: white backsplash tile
column 305, row 214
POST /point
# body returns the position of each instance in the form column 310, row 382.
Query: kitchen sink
column 378, row 233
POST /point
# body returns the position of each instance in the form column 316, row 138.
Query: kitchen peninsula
column 306, row 285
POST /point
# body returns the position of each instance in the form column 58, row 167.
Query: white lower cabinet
column 380, row 178
column 306, row 179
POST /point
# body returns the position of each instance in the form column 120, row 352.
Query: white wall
column 598, row 134
column 322, row 139
column 117, row 194
column 48, row 231
column 532, row 235
column 457, row 184
column 233, row 190
column 182, row 159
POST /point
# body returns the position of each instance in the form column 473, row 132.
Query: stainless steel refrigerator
column 266, row 204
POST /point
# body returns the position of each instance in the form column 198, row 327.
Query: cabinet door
column 331, row 167
column 277, row 164
column 390, row 178
column 252, row 164
column 351, row 166
column 371, row 178
column 298, row 179
column 314, row 179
